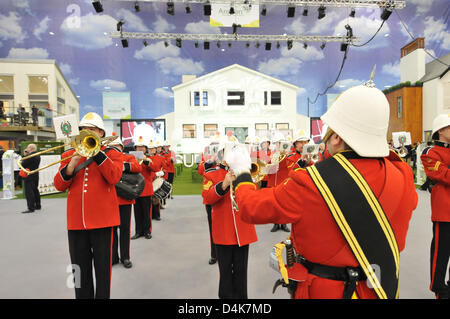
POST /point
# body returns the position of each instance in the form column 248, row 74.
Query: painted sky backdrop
column 73, row 34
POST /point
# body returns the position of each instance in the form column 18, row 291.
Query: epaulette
column 113, row 148
column 212, row 169
column 426, row 150
column 292, row 154
column 442, row 144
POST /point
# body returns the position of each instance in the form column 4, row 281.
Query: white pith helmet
column 117, row 141
column 360, row 116
column 440, row 121
column 140, row 142
column 300, row 135
column 92, row 119
column 151, row 144
column 278, row 137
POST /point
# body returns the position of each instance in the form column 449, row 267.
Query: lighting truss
column 398, row 4
column 232, row 37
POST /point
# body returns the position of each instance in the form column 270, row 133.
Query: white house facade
column 234, row 98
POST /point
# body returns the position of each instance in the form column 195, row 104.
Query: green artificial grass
column 187, row 182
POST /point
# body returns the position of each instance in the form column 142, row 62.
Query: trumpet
column 403, row 151
column 86, row 144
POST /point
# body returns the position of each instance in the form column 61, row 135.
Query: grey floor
column 173, row 264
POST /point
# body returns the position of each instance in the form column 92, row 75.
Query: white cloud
column 301, row 91
column 347, row 83
column 179, row 66
column 364, row 28
column 437, row 31
column 74, row 81
column 132, row 21
column 162, row 26
column 108, row 84
column 156, row 51
column 422, row 6
column 65, row 68
column 10, row 28
column 90, row 108
column 201, row 27
column 42, row 28
column 392, row 69
column 23, row 4
column 325, row 24
column 281, row 66
column 90, row 34
column 163, row 93
column 311, row 53
column 296, row 27
column 33, row 53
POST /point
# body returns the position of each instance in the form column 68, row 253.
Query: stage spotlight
column 323, row 45
column 145, row 43
column 264, row 10
column 166, row 44
column 352, row 13
column 289, row 44
column 268, row 46
column 386, row 13
column 120, row 24
column 178, row 42
column 321, row 11
column 188, row 9
column 218, row 44
column 206, row 45
column 257, row 45
column 97, row 6
column 136, row 7
column 170, row 8
column 125, row 43
column 207, row 9
column 349, row 30
column 247, row 45
column 278, row 45
column 305, row 12
column 291, row 11
column 344, row 46
column 305, row 45
column 231, row 10
column 196, row 44
column 229, row 44
column 235, row 26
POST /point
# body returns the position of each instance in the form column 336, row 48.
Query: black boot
column 285, row 228
column 275, row 228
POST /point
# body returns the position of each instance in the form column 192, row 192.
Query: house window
column 262, row 126
column 209, row 130
column 236, row 98
column 189, row 131
column 399, row 107
column 205, row 98
column 196, row 98
column 265, row 97
column 38, row 84
column 282, row 126
column 7, row 84
column 275, row 97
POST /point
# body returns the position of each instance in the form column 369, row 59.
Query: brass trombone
column 86, row 144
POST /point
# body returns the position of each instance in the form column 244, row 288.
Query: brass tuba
column 86, row 144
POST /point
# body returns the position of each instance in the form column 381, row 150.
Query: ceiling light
column 97, row 6
column 321, row 11
column 291, row 11
column 207, row 9
column 136, row 7
column 170, row 8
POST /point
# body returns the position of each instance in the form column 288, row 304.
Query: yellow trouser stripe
column 345, row 228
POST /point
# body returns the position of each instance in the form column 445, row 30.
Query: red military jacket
column 280, row 174
column 170, row 158
column 436, row 162
column 293, row 161
column 227, row 226
column 148, row 170
column 314, row 232
column 264, row 155
column 91, row 199
column 130, row 165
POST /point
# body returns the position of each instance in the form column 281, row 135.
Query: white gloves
column 159, row 174
column 238, row 159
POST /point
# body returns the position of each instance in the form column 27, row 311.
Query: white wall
column 412, row 66
column 433, row 100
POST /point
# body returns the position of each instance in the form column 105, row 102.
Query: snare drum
column 161, row 188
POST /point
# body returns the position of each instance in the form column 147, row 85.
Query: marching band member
column 130, row 165
column 436, row 162
column 142, row 205
column 337, row 243
column 92, row 211
column 264, row 154
column 170, row 159
column 295, row 159
column 158, row 162
column 280, row 173
column 231, row 236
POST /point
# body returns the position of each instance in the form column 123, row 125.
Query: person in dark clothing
column 34, row 114
column 31, row 182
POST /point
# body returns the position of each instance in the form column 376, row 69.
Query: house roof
column 436, row 69
column 234, row 66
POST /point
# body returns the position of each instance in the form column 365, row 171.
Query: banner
column 116, row 105
column 65, row 126
column 244, row 15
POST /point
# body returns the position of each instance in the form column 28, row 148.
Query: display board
column 149, row 129
column 244, row 15
column 116, row 105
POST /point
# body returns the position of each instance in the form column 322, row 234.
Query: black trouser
column 86, row 246
column 233, row 263
column 125, row 219
column 170, row 177
column 439, row 257
column 142, row 219
column 156, row 208
column 213, row 246
column 32, row 194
